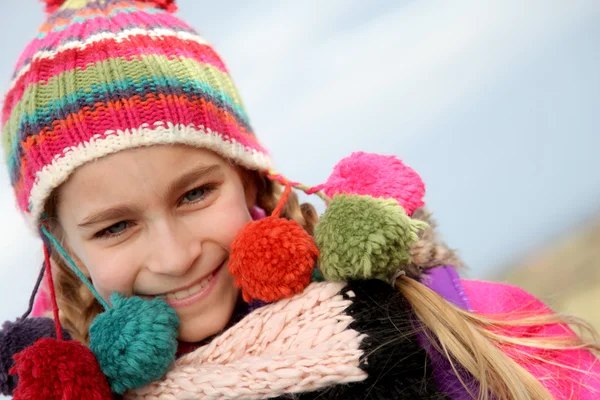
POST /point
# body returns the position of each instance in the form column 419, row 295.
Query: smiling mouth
column 194, row 291
column 195, row 288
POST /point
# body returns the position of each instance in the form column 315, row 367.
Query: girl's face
column 159, row 221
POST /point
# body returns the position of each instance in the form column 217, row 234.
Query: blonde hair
column 469, row 341
column 472, row 342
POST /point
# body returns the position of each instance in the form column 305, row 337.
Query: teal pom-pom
column 135, row 341
column 361, row 237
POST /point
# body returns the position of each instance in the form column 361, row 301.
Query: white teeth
column 182, row 294
column 196, row 288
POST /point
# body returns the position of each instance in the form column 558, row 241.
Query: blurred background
column 496, row 104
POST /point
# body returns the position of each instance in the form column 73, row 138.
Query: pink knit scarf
column 295, row 345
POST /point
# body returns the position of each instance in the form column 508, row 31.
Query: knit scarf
column 335, row 340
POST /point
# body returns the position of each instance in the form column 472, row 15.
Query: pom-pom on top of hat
column 377, row 176
column 360, row 237
column 272, row 258
column 16, row 337
column 135, row 341
column 59, row 370
column 167, row 5
column 53, row 5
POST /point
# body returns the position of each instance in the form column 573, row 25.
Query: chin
column 212, row 316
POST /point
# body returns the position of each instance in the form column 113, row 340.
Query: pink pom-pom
column 376, row 175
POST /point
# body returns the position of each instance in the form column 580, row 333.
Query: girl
column 130, row 151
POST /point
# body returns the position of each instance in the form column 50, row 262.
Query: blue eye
column 117, row 228
column 198, row 194
column 194, row 195
column 113, row 230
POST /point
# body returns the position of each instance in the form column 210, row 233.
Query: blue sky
column 496, row 104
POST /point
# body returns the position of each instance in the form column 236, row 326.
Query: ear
column 250, row 187
column 251, row 194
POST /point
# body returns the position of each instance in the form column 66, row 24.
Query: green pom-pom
column 135, row 341
column 360, row 237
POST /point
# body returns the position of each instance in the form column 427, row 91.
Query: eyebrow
column 108, row 214
column 123, row 211
column 186, row 179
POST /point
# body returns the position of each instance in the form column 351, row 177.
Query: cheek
column 232, row 225
column 111, row 272
column 225, row 219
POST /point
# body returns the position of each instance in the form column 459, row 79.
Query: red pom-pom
column 167, row 5
column 272, row 259
column 53, row 5
column 61, row 370
column 16, row 337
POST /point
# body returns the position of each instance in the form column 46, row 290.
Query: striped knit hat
column 102, row 76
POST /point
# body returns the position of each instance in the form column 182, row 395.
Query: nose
column 174, row 248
